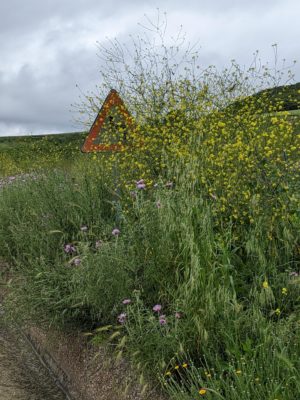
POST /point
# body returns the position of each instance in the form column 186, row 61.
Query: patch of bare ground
column 88, row 373
column 22, row 375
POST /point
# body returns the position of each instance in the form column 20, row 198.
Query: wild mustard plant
column 229, row 135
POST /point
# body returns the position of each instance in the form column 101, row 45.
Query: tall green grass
column 229, row 294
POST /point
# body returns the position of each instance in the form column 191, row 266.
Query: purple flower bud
column 162, row 320
column 77, row 261
column 69, row 248
column 157, row 308
column 116, row 232
column 122, row 318
column 141, row 184
column 126, row 301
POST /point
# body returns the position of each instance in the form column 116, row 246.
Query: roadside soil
column 88, row 372
column 22, row 376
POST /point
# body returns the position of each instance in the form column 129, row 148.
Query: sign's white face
column 113, row 129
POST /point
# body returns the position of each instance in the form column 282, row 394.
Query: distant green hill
column 59, row 138
column 288, row 95
column 26, row 153
column 280, row 98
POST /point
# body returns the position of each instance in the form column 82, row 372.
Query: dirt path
column 22, row 376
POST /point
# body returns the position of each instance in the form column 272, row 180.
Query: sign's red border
column 113, row 99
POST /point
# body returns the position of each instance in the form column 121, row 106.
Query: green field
column 11, row 143
column 20, row 154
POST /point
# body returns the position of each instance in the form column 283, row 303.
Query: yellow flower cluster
column 245, row 159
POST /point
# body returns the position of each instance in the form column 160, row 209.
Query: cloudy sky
column 48, row 47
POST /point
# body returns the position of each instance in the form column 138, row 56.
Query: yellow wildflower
column 202, row 391
column 277, row 311
column 265, row 285
column 284, row 291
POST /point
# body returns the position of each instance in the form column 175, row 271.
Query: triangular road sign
column 110, row 127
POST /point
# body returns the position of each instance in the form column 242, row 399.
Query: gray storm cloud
column 48, row 47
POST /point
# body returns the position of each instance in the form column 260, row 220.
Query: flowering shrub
column 244, row 160
column 247, row 161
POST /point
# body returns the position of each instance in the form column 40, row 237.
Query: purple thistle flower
column 77, row 261
column 162, row 320
column 69, row 248
column 157, row 308
column 116, row 232
column 126, row 301
column 122, row 318
column 141, row 184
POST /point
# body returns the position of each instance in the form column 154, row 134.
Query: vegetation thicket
column 181, row 250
